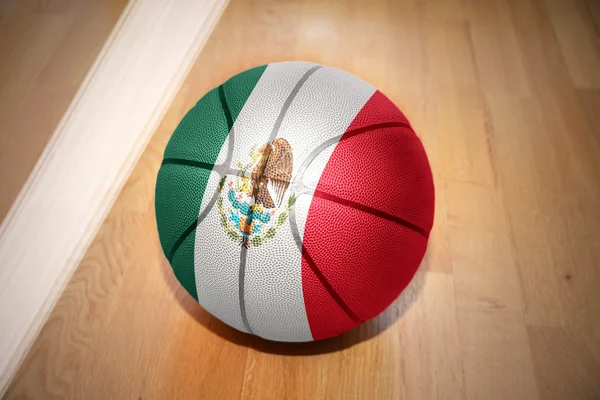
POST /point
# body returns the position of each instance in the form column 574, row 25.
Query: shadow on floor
column 364, row 332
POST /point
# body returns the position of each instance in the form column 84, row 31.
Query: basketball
column 294, row 202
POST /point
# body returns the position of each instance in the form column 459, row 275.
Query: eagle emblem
column 251, row 204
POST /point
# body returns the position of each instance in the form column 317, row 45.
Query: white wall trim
column 88, row 159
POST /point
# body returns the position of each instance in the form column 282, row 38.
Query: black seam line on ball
column 336, row 297
column 344, row 136
column 288, row 101
column 373, row 211
column 198, row 164
column 190, row 163
column 241, row 280
column 193, row 225
column 313, row 266
column 225, row 107
column 179, row 241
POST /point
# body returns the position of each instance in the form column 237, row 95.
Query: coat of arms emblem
column 250, row 204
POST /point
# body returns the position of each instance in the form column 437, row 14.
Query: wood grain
column 46, row 50
column 505, row 304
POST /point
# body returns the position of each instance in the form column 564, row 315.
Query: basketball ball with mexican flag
column 294, row 202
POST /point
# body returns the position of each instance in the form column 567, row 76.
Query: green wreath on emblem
column 266, row 223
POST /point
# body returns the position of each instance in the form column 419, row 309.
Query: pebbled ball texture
column 352, row 224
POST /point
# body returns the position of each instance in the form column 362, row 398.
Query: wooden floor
column 46, row 50
column 505, row 95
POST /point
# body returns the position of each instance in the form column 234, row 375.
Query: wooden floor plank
column 500, row 65
column 565, row 367
column 489, row 298
column 590, row 103
column 578, row 40
column 455, row 106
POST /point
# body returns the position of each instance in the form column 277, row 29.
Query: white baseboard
column 89, row 157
